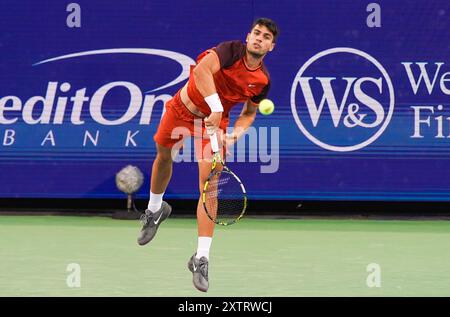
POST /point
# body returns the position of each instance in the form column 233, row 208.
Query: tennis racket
column 224, row 197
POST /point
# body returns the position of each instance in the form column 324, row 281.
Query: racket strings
column 225, row 199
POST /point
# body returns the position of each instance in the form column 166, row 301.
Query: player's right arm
column 203, row 74
column 204, row 81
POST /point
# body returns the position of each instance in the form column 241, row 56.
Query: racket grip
column 214, row 142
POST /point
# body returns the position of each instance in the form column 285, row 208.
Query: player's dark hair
column 269, row 24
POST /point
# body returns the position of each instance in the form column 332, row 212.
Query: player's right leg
column 158, row 210
column 166, row 139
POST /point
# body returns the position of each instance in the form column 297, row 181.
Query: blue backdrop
column 361, row 112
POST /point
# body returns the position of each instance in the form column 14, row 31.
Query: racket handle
column 214, row 142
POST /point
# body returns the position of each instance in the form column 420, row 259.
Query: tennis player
column 231, row 73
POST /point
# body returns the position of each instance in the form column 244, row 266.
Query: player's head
column 262, row 37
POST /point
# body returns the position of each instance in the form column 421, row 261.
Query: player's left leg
column 199, row 262
column 205, row 225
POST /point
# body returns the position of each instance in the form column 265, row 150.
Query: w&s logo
column 342, row 99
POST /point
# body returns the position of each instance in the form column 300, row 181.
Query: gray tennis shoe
column 199, row 269
column 151, row 222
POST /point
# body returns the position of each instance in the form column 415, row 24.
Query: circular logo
column 339, row 99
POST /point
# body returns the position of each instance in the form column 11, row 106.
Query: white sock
column 155, row 202
column 204, row 243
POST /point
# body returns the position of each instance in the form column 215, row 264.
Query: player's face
column 260, row 41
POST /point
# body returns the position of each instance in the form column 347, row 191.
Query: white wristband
column 214, row 103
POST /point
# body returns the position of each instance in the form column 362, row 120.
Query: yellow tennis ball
column 266, row 106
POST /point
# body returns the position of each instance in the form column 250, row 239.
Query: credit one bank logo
column 342, row 99
column 58, row 105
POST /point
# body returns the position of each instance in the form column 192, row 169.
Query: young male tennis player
column 231, row 73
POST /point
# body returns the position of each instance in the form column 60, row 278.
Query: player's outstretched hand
column 229, row 139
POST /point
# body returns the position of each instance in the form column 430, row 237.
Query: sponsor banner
column 361, row 94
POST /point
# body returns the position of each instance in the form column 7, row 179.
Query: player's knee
column 164, row 154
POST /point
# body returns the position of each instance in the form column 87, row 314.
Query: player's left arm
column 243, row 122
column 247, row 115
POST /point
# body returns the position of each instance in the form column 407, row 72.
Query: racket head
column 224, row 197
